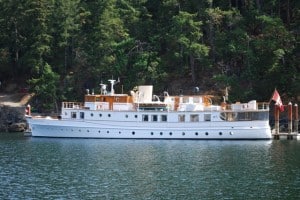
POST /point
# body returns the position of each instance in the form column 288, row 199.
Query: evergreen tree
column 251, row 46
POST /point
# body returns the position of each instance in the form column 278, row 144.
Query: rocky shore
column 12, row 111
column 12, row 119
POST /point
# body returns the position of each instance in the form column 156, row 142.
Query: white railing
column 72, row 105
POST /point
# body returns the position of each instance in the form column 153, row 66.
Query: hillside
column 61, row 48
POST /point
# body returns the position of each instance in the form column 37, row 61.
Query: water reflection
column 37, row 168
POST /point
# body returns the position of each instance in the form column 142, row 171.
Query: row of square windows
column 154, row 118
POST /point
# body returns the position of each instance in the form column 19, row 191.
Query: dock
column 286, row 136
column 293, row 123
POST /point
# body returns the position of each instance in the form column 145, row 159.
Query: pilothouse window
column 164, row 118
column 207, row 117
column 81, row 115
column 145, row 118
column 73, row 115
column 181, row 118
column 194, row 118
column 154, row 118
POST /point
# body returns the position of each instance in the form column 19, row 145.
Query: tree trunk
column 211, row 38
column 192, row 63
column 288, row 13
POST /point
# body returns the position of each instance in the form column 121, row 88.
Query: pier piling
column 290, row 121
column 293, row 123
column 276, row 115
column 296, row 122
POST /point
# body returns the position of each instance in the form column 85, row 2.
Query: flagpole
column 272, row 96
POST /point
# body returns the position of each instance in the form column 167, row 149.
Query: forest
column 60, row 48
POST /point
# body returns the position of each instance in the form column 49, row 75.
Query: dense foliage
column 62, row 47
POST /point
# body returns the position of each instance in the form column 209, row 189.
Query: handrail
column 72, row 105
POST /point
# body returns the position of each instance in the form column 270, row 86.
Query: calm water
column 44, row 168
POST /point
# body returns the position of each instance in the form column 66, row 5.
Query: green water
column 45, row 168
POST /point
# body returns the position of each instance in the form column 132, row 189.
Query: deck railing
column 247, row 106
column 72, row 105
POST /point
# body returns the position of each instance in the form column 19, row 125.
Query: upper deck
column 142, row 106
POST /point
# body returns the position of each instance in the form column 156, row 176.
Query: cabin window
column 185, row 99
column 92, row 114
column 207, row 117
column 228, row 116
column 244, row 116
column 194, row 118
column 163, row 118
column 154, row 118
column 181, row 118
column 73, row 115
column 196, row 99
column 145, row 118
column 81, row 115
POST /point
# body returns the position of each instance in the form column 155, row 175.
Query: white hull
column 138, row 117
column 141, row 130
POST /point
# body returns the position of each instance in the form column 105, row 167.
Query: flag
column 277, row 99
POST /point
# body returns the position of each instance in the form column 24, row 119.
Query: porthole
column 206, row 133
column 151, row 133
column 183, row 133
column 220, row 133
column 92, row 114
column 119, row 132
column 135, row 116
column 126, row 116
column 87, row 131
column 107, row 131
column 109, row 115
column 100, row 115
column 170, row 133
column 99, row 131
column 161, row 133
column 133, row 133
column 196, row 133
